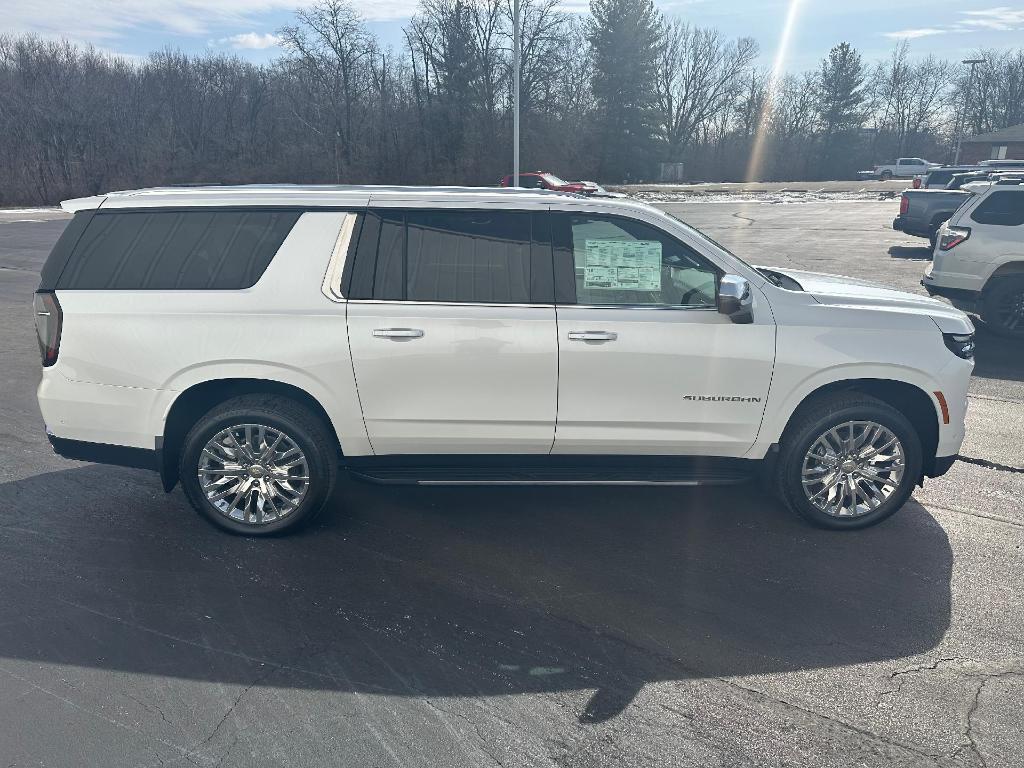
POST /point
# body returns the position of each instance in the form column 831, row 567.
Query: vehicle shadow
column 911, row 253
column 461, row 592
column 997, row 357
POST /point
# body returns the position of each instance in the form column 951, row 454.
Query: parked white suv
column 250, row 341
column 978, row 261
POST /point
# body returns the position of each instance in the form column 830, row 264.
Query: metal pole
column 967, row 102
column 516, row 44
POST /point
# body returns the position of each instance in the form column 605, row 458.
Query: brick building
column 1007, row 144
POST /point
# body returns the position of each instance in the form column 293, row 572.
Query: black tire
column 1002, row 306
column 299, row 424
column 885, row 175
column 816, row 418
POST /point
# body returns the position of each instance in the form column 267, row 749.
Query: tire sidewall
column 1003, row 285
column 211, row 425
column 792, row 465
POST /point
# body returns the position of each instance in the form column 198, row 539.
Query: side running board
column 657, row 476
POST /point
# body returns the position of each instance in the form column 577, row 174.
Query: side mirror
column 735, row 299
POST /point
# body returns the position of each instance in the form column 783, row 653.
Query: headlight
column 960, row 344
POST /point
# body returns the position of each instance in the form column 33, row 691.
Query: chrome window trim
column 331, row 287
column 655, row 307
column 448, row 303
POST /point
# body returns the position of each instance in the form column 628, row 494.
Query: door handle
column 592, row 336
column 397, row 333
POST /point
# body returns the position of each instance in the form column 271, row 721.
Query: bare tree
column 698, row 75
column 908, row 96
column 330, row 44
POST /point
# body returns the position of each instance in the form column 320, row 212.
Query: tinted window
column 166, row 250
column 622, row 261
column 61, row 252
column 939, row 177
column 458, row 256
column 1002, row 208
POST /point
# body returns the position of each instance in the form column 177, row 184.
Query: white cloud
column 912, row 34
column 1003, row 19
column 251, row 40
column 106, row 20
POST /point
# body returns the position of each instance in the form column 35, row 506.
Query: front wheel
column 886, row 175
column 849, row 461
column 258, row 465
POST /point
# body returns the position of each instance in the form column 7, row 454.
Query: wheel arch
column 912, row 401
column 196, row 400
column 1004, row 270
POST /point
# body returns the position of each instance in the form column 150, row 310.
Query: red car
column 546, row 180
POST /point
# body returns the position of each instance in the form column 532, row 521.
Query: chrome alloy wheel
column 253, row 473
column 851, row 469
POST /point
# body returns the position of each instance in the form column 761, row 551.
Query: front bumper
column 941, row 466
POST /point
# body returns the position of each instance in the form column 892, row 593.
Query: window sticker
column 632, row 265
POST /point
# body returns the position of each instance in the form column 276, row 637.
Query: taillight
column 48, row 322
column 904, row 204
column 953, row 236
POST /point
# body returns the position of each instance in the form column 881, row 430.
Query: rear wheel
column 886, row 175
column 849, row 461
column 1002, row 307
column 258, row 465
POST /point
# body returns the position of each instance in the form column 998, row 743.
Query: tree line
column 607, row 96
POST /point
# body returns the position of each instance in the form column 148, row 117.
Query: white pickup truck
column 904, row 167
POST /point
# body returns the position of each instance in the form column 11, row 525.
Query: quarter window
column 184, row 250
column 1005, row 208
column 623, row 261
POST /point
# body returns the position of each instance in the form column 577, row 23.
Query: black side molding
column 102, row 453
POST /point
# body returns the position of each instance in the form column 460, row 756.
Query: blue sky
column 947, row 28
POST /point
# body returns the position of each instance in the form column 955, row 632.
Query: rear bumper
column 961, row 298
column 910, row 227
column 102, row 453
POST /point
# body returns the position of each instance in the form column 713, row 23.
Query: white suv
column 251, row 342
column 978, row 262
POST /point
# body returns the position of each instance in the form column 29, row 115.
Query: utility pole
column 967, row 102
column 516, row 53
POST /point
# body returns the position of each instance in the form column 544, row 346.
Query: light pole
column 967, row 101
column 516, row 44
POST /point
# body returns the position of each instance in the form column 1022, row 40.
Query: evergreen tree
column 841, row 99
column 625, row 37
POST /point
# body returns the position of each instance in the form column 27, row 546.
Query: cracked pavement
column 530, row 627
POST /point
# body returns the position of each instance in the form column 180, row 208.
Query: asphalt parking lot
column 520, row 627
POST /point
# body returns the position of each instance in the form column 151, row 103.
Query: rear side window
column 184, row 250
column 1005, row 208
column 61, row 253
column 477, row 256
